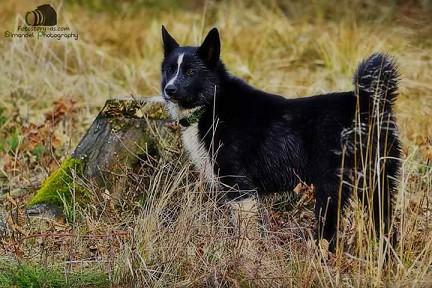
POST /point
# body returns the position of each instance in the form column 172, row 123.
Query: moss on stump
column 124, row 130
column 61, row 185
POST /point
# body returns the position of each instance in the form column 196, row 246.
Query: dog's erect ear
column 169, row 42
column 209, row 50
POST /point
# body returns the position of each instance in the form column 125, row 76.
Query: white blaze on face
column 173, row 79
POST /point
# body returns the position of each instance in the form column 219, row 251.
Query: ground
column 167, row 229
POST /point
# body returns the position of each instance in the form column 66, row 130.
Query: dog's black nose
column 170, row 90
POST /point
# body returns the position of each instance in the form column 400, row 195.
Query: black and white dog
column 254, row 142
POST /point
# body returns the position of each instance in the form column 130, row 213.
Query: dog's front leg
column 245, row 217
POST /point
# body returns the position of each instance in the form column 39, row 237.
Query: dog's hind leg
column 331, row 198
column 383, row 203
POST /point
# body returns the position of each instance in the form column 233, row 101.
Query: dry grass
column 178, row 235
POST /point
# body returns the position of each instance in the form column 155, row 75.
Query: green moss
column 130, row 108
column 58, row 187
column 156, row 112
column 13, row 274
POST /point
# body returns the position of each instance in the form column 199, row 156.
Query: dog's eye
column 190, row 72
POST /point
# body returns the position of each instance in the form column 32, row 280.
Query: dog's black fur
column 342, row 143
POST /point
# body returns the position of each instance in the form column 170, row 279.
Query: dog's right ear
column 169, row 42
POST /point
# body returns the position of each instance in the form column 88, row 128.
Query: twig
column 52, row 234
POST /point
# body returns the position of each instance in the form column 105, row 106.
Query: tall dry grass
column 181, row 236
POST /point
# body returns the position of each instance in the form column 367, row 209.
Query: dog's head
column 190, row 74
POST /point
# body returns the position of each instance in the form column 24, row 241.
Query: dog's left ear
column 209, row 50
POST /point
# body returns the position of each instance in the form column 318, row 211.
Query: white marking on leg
column 173, row 79
column 246, row 218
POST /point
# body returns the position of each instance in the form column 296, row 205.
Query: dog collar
column 192, row 118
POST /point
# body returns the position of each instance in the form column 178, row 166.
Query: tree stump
column 124, row 131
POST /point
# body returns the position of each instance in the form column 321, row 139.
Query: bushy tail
column 376, row 83
column 378, row 147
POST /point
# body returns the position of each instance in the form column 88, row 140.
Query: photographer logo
column 41, row 23
column 44, row 15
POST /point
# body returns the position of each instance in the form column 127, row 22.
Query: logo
column 41, row 23
column 44, row 15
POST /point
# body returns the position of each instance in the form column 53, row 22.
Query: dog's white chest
column 197, row 151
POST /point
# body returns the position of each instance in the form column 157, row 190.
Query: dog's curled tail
column 376, row 83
